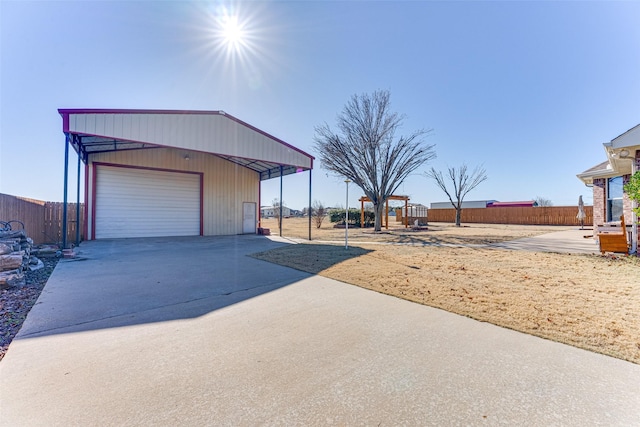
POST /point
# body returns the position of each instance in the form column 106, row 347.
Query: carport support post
column 281, row 207
column 64, row 199
column 309, row 210
column 635, row 166
column 78, row 202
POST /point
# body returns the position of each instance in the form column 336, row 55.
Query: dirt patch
column 587, row 301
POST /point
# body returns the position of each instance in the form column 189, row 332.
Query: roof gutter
column 587, row 178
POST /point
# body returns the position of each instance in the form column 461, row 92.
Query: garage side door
column 146, row 203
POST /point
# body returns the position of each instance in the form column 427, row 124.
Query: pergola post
column 406, row 213
column 392, row 197
column 386, row 220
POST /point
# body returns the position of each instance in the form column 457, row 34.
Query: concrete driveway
column 193, row 332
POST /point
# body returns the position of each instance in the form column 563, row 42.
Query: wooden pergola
column 364, row 199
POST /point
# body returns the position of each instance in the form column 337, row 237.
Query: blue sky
column 530, row 90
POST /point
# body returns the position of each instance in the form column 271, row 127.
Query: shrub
column 318, row 212
column 337, row 216
column 633, row 189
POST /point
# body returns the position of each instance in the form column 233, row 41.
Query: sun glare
column 237, row 40
column 232, row 32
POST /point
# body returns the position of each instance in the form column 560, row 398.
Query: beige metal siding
column 202, row 132
column 225, row 185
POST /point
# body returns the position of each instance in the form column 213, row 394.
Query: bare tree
column 543, row 202
column 277, row 205
column 319, row 212
column 462, row 182
column 365, row 150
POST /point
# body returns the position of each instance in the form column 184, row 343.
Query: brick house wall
column 599, row 201
column 599, row 188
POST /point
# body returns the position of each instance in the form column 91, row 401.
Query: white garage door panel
column 146, row 203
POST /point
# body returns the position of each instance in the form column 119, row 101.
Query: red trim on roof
column 134, row 111
column 65, row 112
column 65, row 123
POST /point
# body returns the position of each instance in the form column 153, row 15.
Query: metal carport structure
column 130, row 136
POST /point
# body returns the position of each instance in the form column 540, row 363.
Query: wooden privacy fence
column 42, row 220
column 53, row 215
column 548, row 215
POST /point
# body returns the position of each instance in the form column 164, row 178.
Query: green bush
column 633, row 189
column 337, row 216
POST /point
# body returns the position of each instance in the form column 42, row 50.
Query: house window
column 614, row 198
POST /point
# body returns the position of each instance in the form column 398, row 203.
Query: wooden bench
column 613, row 241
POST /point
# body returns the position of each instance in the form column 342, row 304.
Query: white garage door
column 146, row 203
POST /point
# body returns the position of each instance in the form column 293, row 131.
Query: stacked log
column 15, row 258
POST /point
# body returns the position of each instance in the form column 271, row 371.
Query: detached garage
column 151, row 173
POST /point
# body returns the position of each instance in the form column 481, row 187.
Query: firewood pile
column 15, row 257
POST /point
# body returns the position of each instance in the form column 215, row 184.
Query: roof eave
column 65, row 112
column 620, row 158
column 629, row 138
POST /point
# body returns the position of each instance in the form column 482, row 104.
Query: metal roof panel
column 214, row 132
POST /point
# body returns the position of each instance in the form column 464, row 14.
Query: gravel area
column 16, row 302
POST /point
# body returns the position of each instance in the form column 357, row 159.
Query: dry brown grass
column 437, row 232
column 584, row 300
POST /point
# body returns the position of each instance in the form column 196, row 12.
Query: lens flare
column 232, row 32
column 238, row 43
